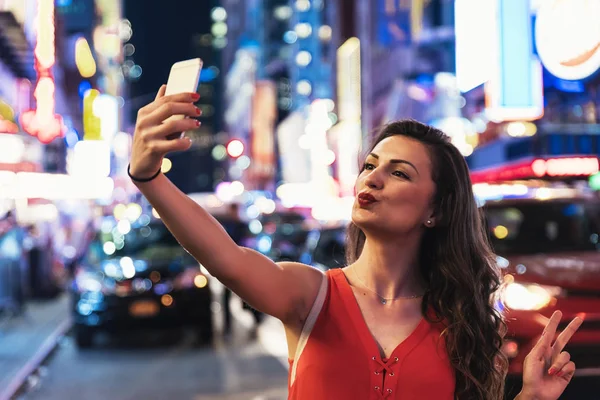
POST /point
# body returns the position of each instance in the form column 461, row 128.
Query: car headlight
column 520, row 296
column 86, row 281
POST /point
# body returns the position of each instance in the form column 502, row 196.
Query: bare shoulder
column 309, row 280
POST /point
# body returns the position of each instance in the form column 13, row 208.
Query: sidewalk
column 271, row 334
column 21, row 338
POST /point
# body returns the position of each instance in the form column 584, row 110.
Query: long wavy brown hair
column 458, row 266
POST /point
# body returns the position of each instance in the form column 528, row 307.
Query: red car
column 549, row 249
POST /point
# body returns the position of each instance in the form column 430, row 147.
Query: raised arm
column 284, row 290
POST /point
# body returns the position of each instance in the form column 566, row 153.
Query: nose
column 374, row 181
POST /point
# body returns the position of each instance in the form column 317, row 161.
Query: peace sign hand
column 547, row 369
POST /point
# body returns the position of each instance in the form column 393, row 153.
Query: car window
column 543, row 227
column 330, row 249
column 153, row 241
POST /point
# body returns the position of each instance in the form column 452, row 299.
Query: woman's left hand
column 547, row 369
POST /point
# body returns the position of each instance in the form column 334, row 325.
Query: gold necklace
column 382, row 299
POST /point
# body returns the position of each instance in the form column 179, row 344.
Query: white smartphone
column 184, row 77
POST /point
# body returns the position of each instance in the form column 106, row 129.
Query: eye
column 401, row 174
column 368, row 166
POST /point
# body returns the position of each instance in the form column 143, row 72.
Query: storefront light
column 124, row 227
column 166, row 165
column 125, row 31
column 330, row 157
column 302, row 5
column 303, row 58
column 84, row 59
column 539, row 168
column 121, row 144
column 12, row 149
column 219, row 152
column 290, row 37
column 235, row 148
column 303, row 30
column 91, row 158
column 119, row 211
column 304, row 87
column 519, row 129
column 333, row 209
column 109, row 248
column 134, row 211
column 255, row 226
column 236, row 188
column 29, row 185
column 218, row 14
column 266, row 206
column 219, row 29
column 304, row 142
column 325, row 33
column 243, row 162
column 283, row 13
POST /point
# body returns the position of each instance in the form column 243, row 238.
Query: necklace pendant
column 383, row 301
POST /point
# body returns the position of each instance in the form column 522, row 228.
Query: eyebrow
column 397, row 161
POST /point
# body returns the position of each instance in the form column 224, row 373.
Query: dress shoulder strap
column 311, row 319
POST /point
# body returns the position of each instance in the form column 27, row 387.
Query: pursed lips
column 367, row 197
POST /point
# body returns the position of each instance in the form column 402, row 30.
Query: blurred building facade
column 501, row 94
column 540, row 99
column 53, row 55
column 343, row 69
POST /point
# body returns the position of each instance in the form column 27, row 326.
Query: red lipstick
column 366, row 199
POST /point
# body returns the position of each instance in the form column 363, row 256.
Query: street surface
column 159, row 366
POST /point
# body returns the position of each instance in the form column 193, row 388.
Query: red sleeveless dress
column 340, row 359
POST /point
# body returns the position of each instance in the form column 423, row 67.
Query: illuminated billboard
column 567, row 37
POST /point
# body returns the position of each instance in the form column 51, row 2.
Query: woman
column 411, row 315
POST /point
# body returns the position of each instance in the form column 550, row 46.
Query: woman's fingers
column 167, row 110
column 159, row 132
column 161, row 92
column 168, row 146
column 559, row 362
column 565, row 336
column 162, row 99
column 567, row 371
column 543, row 345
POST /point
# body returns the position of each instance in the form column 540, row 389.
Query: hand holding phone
column 183, row 78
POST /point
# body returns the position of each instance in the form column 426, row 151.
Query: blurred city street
column 160, row 365
column 148, row 147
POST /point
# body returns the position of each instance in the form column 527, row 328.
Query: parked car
column 282, row 237
column 548, row 249
column 325, row 248
column 141, row 279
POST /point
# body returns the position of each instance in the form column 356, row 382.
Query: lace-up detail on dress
column 385, row 372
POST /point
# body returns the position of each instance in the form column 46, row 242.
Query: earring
column 428, row 223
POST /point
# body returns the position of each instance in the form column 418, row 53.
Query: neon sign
column 43, row 122
column 539, row 168
column 568, row 39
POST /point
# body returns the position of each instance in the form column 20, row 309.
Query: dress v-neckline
column 368, row 340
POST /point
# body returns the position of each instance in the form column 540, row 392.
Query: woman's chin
column 364, row 219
